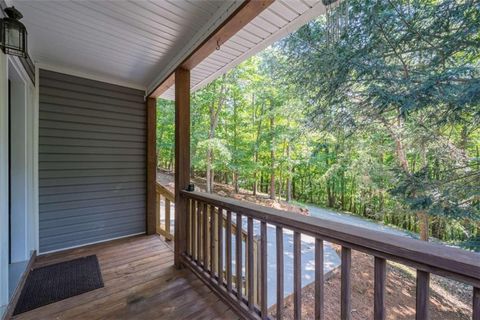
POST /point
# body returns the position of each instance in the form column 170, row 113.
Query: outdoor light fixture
column 13, row 35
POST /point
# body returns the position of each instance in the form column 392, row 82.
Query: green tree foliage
column 410, row 69
column 382, row 122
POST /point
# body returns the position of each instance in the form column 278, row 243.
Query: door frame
column 29, row 95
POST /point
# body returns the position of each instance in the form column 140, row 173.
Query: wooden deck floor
column 140, row 283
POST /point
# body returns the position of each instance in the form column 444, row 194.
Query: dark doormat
column 59, row 281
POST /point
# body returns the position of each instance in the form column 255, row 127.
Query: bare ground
column 449, row 300
column 166, row 178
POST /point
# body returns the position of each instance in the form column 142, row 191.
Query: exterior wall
column 92, row 161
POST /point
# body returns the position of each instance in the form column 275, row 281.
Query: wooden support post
column 153, row 216
column 182, row 157
column 297, row 276
column 263, row 271
column 423, row 295
column 250, row 255
column 238, row 256
column 476, row 304
column 280, row 272
column 380, row 277
column 346, row 285
column 229, row 250
column 319, row 280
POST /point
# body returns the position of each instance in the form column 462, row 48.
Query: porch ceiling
column 126, row 41
column 134, row 42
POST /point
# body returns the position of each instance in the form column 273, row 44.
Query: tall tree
column 400, row 65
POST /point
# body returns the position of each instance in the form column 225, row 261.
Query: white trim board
column 30, row 188
column 3, row 179
column 35, row 133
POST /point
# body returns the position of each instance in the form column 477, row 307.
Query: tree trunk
column 288, row 195
column 423, row 225
column 235, row 181
column 272, row 152
column 256, row 146
column 214, row 116
column 235, row 153
column 209, row 171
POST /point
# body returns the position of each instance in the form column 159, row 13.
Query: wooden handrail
column 165, row 192
column 425, row 257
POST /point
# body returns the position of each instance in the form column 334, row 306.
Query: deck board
column 140, row 283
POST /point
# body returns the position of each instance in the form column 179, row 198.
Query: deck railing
column 218, row 274
column 164, row 228
column 164, row 220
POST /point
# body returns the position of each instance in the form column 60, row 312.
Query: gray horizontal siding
column 92, row 161
column 46, row 191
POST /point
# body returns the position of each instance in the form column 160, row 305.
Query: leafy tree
column 380, row 120
column 410, row 68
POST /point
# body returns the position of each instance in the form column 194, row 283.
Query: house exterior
column 77, row 141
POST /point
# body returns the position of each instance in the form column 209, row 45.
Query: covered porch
column 140, row 283
column 90, row 172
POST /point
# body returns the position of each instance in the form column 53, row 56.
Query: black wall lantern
column 13, row 35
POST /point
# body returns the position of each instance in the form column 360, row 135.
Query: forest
column 373, row 110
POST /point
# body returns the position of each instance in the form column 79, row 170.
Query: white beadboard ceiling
column 131, row 42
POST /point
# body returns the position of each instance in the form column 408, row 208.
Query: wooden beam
column 182, row 157
column 234, row 23
column 239, row 19
column 164, row 86
column 152, row 216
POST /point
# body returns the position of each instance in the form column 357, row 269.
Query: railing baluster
column 205, row 236
column 280, row 286
column 379, row 288
column 238, row 253
column 346, row 286
column 476, row 304
column 257, row 270
column 167, row 215
column 159, row 213
column 188, row 229
column 263, row 267
column 194, row 229
column 212, row 241
column 297, row 276
column 229, row 250
column 319, row 280
column 423, row 295
column 199, row 229
column 250, row 253
column 220, row 246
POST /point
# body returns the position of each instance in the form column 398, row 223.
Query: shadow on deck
column 140, row 283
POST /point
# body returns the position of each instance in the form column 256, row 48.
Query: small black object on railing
column 191, row 187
